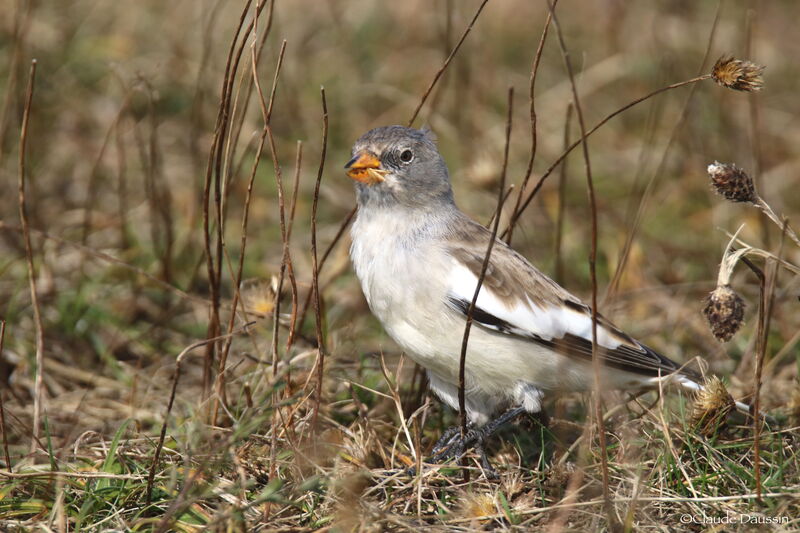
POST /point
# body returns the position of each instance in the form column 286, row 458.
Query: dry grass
column 124, row 139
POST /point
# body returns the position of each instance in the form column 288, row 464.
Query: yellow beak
column 366, row 168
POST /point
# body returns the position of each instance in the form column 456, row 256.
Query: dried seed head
column 477, row 506
column 258, row 296
column 737, row 74
column 712, row 404
column 724, row 310
column 732, row 182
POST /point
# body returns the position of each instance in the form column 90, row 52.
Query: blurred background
column 122, row 123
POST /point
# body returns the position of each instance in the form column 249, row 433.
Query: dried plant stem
column 122, row 187
column 220, row 381
column 509, row 190
column 22, row 18
column 446, row 63
column 286, row 262
column 518, row 212
column 462, row 363
column 596, row 363
column 754, row 124
column 394, row 389
column 245, row 86
column 178, row 360
column 287, row 256
column 761, row 350
column 767, row 210
column 213, row 176
column 644, row 200
column 38, row 393
column 562, row 193
column 537, row 57
column 2, row 406
column 343, row 226
column 298, row 161
column 766, row 293
column 315, row 265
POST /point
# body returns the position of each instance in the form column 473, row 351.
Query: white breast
column 401, row 274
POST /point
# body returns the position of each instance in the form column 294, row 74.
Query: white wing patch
column 548, row 323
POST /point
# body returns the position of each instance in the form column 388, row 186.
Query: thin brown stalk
column 159, row 197
column 518, row 212
column 285, row 265
column 562, row 192
column 287, row 257
column 38, row 393
column 766, row 293
column 206, row 44
column 462, row 363
column 178, row 360
column 343, row 226
column 761, row 350
column 537, row 57
column 781, row 223
column 246, row 83
column 220, row 381
column 213, row 169
column 635, row 224
column 447, row 46
column 754, row 124
column 22, row 18
column 596, row 363
column 285, row 260
column 2, row 406
column 122, row 187
column 298, row 160
column 315, row 265
column 509, row 190
column 215, row 174
column 446, row 63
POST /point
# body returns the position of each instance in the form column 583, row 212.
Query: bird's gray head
column 397, row 165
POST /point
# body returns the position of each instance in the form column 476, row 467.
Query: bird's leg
column 456, row 445
column 447, row 438
column 486, row 466
column 493, row 425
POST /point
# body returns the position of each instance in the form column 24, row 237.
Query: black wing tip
column 643, row 361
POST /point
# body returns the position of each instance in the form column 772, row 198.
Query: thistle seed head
column 478, row 506
column 738, row 74
column 258, row 296
column 732, row 182
column 724, row 310
column 712, row 404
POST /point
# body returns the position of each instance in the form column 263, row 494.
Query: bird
column 418, row 259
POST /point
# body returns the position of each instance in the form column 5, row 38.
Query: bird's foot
column 452, row 446
column 448, row 438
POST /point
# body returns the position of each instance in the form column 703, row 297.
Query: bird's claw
column 452, row 446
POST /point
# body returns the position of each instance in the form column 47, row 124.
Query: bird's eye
column 406, row 156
